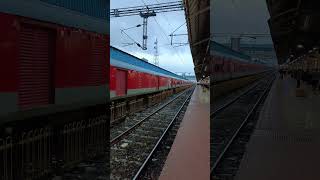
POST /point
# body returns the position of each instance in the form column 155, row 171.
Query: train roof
column 84, row 14
column 219, row 49
column 125, row 60
column 94, row 8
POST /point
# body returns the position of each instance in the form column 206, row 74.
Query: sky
column 240, row 16
column 174, row 59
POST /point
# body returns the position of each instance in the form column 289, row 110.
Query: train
column 54, row 63
column 231, row 70
column 136, row 83
column 228, row 64
column 132, row 76
column 53, row 84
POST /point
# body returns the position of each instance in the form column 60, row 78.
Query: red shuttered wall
column 97, row 72
column 35, row 83
column 121, row 82
column 81, row 59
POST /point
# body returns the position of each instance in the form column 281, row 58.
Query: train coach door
column 36, row 62
column 121, row 83
column 158, row 81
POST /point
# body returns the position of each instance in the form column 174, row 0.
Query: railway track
column 220, row 102
column 98, row 167
column 132, row 150
column 132, row 119
column 152, row 166
column 231, row 127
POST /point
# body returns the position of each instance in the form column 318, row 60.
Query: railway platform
column 286, row 141
column 190, row 152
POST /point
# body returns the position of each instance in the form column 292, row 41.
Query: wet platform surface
column 189, row 157
column 286, row 142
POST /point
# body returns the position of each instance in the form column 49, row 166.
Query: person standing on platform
column 299, row 77
column 281, row 73
column 315, row 83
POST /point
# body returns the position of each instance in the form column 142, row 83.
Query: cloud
column 175, row 63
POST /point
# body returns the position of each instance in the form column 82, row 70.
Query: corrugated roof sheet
column 44, row 11
column 94, row 8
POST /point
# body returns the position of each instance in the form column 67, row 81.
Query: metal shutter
column 34, row 67
column 121, row 82
column 96, row 67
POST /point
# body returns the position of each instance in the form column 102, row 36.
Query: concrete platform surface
column 286, row 142
column 189, row 157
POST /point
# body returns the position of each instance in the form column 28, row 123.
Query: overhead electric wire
column 179, row 27
column 167, row 20
column 166, row 37
column 131, row 38
column 157, row 8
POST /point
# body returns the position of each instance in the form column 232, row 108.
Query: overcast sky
column 240, row 16
column 175, row 59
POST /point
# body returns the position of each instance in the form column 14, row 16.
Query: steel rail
column 117, row 138
column 224, row 106
column 241, row 126
column 147, row 160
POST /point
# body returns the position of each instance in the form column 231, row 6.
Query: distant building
column 264, row 53
column 191, row 78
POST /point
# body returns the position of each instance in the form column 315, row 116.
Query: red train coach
column 53, row 56
column 131, row 76
column 229, row 64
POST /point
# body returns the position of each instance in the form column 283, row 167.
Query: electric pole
column 145, row 16
column 156, row 53
column 145, row 12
